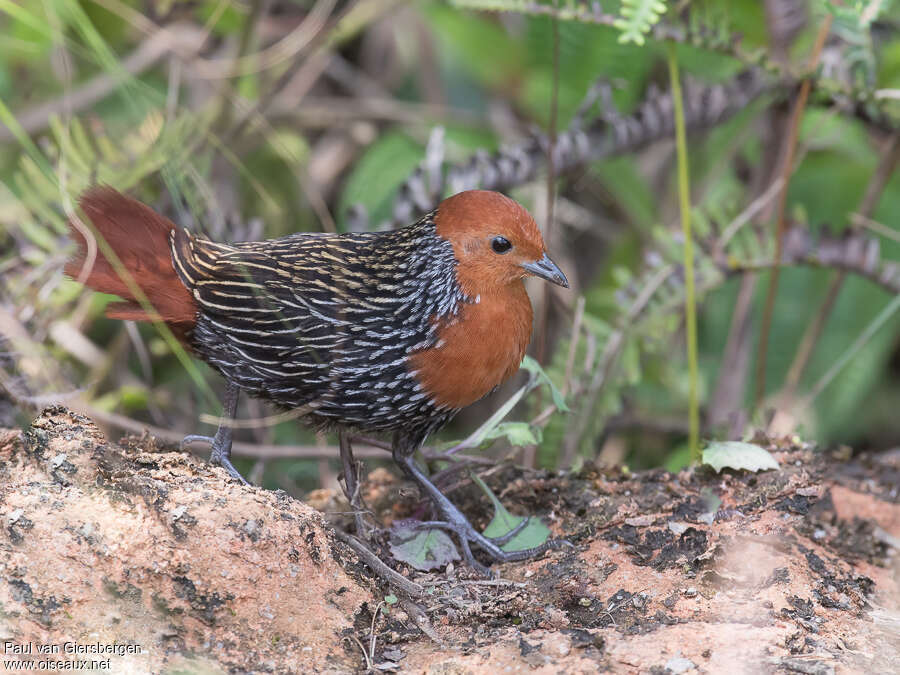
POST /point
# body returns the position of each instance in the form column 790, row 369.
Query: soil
column 790, row 571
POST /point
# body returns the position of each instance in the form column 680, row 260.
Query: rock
column 163, row 552
column 162, row 559
column 679, row 665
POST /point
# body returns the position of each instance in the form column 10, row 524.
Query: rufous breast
column 479, row 349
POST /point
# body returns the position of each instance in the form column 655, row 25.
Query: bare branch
column 184, row 40
column 609, row 135
column 255, row 450
column 852, row 252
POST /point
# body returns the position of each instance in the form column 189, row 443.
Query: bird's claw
column 220, row 455
column 229, row 467
column 490, row 545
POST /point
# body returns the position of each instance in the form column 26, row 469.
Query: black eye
column 500, row 244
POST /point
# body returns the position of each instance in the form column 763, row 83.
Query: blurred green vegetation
column 258, row 119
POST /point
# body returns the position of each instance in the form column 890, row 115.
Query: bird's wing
column 261, row 289
column 304, row 309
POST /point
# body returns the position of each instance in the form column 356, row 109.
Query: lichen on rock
column 154, row 548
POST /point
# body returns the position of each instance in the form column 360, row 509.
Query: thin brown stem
column 529, row 452
column 811, row 335
column 391, row 577
column 883, row 172
column 787, row 168
column 875, row 226
column 889, row 160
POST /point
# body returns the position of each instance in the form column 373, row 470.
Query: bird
column 389, row 332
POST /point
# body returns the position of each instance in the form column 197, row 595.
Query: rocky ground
column 785, row 571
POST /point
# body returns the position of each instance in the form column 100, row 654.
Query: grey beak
column 546, row 269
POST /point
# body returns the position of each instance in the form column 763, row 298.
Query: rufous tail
column 140, row 239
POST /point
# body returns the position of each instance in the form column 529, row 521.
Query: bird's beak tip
column 548, row 270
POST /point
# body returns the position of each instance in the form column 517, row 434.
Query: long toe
column 526, row 553
column 226, row 464
column 509, row 536
column 463, row 531
column 492, row 547
column 455, row 520
column 196, row 438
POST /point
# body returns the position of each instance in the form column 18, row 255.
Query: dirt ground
column 791, row 571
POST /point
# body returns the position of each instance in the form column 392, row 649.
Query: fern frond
column 583, row 12
column 637, row 18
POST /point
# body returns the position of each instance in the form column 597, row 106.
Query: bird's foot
column 454, row 521
column 459, row 525
column 220, row 455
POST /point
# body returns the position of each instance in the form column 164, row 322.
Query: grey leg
column 221, row 442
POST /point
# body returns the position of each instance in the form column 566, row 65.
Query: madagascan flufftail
column 390, row 332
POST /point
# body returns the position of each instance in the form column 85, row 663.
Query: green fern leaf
column 637, row 19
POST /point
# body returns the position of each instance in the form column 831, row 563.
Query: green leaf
column 737, row 455
column 637, row 18
column 378, row 173
column 531, row 366
column 476, row 44
column 678, row 458
column 477, row 437
column 631, row 361
column 535, row 369
column 533, row 534
column 517, row 433
column 622, row 178
column 41, row 236
column 421, row 549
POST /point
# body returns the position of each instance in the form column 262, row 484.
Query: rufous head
column 496, row 242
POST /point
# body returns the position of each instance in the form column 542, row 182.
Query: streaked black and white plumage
column 325, row 324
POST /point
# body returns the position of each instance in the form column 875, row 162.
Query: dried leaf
column 737, row 455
